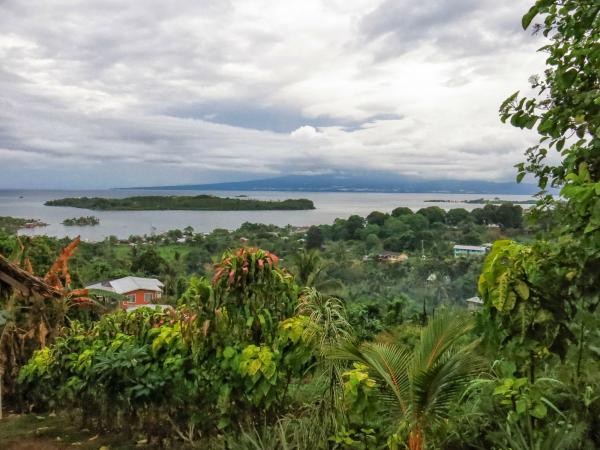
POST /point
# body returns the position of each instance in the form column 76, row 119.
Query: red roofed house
column 139, row 291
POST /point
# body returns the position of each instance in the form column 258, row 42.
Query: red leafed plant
column 251, row 289
column 245, row 264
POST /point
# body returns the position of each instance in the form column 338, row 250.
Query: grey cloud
column 415, row 19
column 169, row 92
column 272, row 118
column 457, row 28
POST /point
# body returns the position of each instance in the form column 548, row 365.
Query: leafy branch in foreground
column 567, row 109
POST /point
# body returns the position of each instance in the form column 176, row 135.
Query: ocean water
column 29, row 204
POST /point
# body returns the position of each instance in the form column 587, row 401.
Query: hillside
column 361, row 183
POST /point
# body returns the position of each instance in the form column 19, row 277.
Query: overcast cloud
column 100, row 93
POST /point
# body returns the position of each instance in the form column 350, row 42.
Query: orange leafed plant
column 61, row 267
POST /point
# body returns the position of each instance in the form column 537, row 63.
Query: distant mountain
column 360, row 183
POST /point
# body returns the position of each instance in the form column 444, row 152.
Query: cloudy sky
column 105, row 93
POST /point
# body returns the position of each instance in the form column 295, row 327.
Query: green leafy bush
column 225, row 360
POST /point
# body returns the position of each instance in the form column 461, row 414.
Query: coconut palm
column 308, row 269
column 330, row 327
column 420, row 385
column 308, row 265
column 328, row 314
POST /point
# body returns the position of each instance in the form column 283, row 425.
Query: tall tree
column 544, row 292
column 314, row 238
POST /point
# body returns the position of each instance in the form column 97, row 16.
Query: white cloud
column 306, row 132
column 186, row 91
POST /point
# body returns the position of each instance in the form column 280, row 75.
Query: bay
column 29, row 204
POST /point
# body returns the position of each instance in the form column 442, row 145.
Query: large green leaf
column 528, row 18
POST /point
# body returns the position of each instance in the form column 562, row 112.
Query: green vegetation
column 421, row 384
column 486, row 201
column 209, row 365
column 337, row 264
column 498, row 201
column 196, row 203
column 334, row 295
column 80, row 221
column 327, row 348
column 10, row 225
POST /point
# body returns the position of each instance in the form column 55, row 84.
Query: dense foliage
column 183, row 202
column 541, row 300
column 225, row 359
column 377, row 294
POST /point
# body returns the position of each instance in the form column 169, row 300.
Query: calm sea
column 29, row 204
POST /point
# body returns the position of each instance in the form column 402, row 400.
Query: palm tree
column 308, row 266
column 330, row 327
column 328, row 315
column 420, row 385
column 308, row 270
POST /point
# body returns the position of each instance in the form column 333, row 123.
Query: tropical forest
column 413, row 329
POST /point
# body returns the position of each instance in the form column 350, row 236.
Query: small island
column 81, row 221
column 195, row 203
column 12, row 224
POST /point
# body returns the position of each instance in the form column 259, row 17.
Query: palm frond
column 388, row 364
column 421, row 384
column 441, row 333
column 328, row 316
column 435, row 389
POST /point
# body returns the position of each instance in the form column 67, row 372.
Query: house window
column 148, row 297
column 131, row 298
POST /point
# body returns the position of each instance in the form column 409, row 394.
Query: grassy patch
column 122, row 251
column 168, row 251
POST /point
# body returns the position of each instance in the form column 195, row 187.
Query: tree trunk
column 415, row 439
column 1, row 379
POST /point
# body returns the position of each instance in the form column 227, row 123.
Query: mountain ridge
column 359, row 183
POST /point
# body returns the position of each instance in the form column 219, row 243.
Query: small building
column 299, row 230
column 474, row 303
column 139, row 291
column 244, row 240
column 469, row 250
column 392, row 257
